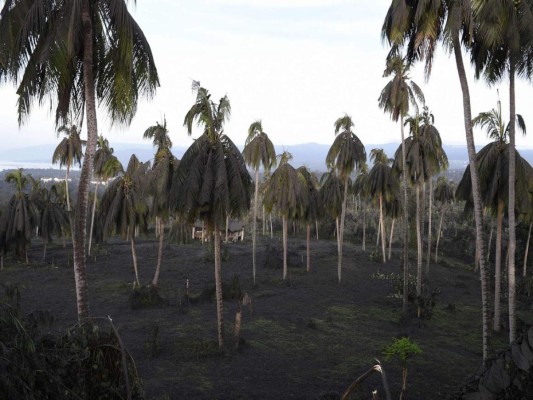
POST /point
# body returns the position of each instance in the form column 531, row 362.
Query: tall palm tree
column 345, row 154
column 68, row 152
column 165, row 165
column 124, row 206
column 418, row 26
column 505, row 33
column 493, row 162
column 382, row 186
column 106, row 166
column 19, row 216
column 313, row 208
column 212, row 181
column 444, row 195
column 258, row 150
column 287, row 194
column 78, row 53
column 437, row 161
column 395, row 99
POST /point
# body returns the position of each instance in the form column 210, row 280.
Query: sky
column 297, row 65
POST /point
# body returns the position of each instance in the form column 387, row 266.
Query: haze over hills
column 312, row 155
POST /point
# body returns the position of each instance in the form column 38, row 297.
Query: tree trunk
column 439, row 233
column 264, row 222
column 405, row 223
column 498, row 267
column 308, row 247
column 80, row 221
column 381, row 222
column 218, row 288
column 378, row 232
column 134, row 256
column 271, row 229
column 44, row 249
column 155, row 281
column 511, row 211
column 341, row 229
column 527, row 250
column 254, row 225
column 238, row 323
column 418, row 243
column 430, row 211
column 316, row 229
column 285, row 234
column 364, row 230
column 391, row 236
column 92, row 217
column 490, row 241
column 66, row 188
column 475, row 193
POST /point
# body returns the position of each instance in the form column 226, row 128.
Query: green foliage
column 401, row 349
column 84, row 362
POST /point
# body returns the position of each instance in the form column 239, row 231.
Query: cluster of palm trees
column 498, row 37
column 86, row 52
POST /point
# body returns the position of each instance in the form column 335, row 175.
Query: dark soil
column 305, row 338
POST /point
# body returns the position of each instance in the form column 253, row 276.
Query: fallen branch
column 362, row 378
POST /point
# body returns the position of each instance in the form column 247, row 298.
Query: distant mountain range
column 312, row 155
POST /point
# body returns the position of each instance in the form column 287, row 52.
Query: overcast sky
column 297, row 65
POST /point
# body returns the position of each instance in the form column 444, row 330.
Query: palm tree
column 493, row 162
column 258, row 151
column 444, row 195
column 163, row 171
column 78, row 53
column 212, row 180
column 436, row 160
column 68, row 152
column 382, row 187
column 52, row 217
column 505, row 33
column 19, row 216
column 393, row 209
column 345, row 154
column 395, row 99
column 419, row 26
column 313, row 208
column 106, row 166
column 360, row 189
column 165, row 165
column 331, row 192
column 286, row 193
column 124, row 206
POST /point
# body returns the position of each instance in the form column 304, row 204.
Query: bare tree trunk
column 405, row 223
column 285, row 234
column 511, row 273
column 430, row 211
column 316, row 229
column 391, row 236
column 308, row 247
column 264, row 222
column 218, row 288
column 66, row 188
column 378, row 233
column 92, row 217
column 364, row 230
column 155, row 281
column 238, row 323
column 527, row 250
column 418, row 244
column 254, row 225
column 476, row 194
column 44, row 249
column 134, row 256
column 439, row 233
column 381, row 222
column 271, row 229
column 80, row 221
column 341, row 229
column 490, row 241
column 498, row 267
column 227, row 228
